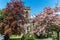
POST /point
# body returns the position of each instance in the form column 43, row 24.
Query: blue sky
column 36, row 6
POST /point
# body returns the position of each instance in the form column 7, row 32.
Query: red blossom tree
column 14, row 12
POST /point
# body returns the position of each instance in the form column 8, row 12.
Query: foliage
column 14, row 13
column 27, row 37
column 46, row 21
column 2, row 16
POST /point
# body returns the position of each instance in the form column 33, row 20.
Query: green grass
column 15, row 37
column 27, row 37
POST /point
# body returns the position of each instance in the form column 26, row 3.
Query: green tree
column 1, row 16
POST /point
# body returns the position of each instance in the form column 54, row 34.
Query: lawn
column 16, row 37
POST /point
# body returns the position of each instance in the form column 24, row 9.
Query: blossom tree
column 14, row 13
column 46, row 21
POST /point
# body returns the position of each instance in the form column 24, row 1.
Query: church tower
column 27, row 13
column 27, row 18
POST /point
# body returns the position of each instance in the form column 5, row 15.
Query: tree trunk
column 57, row 35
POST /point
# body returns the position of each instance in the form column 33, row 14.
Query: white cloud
column 32, row 16
column 56, row 13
